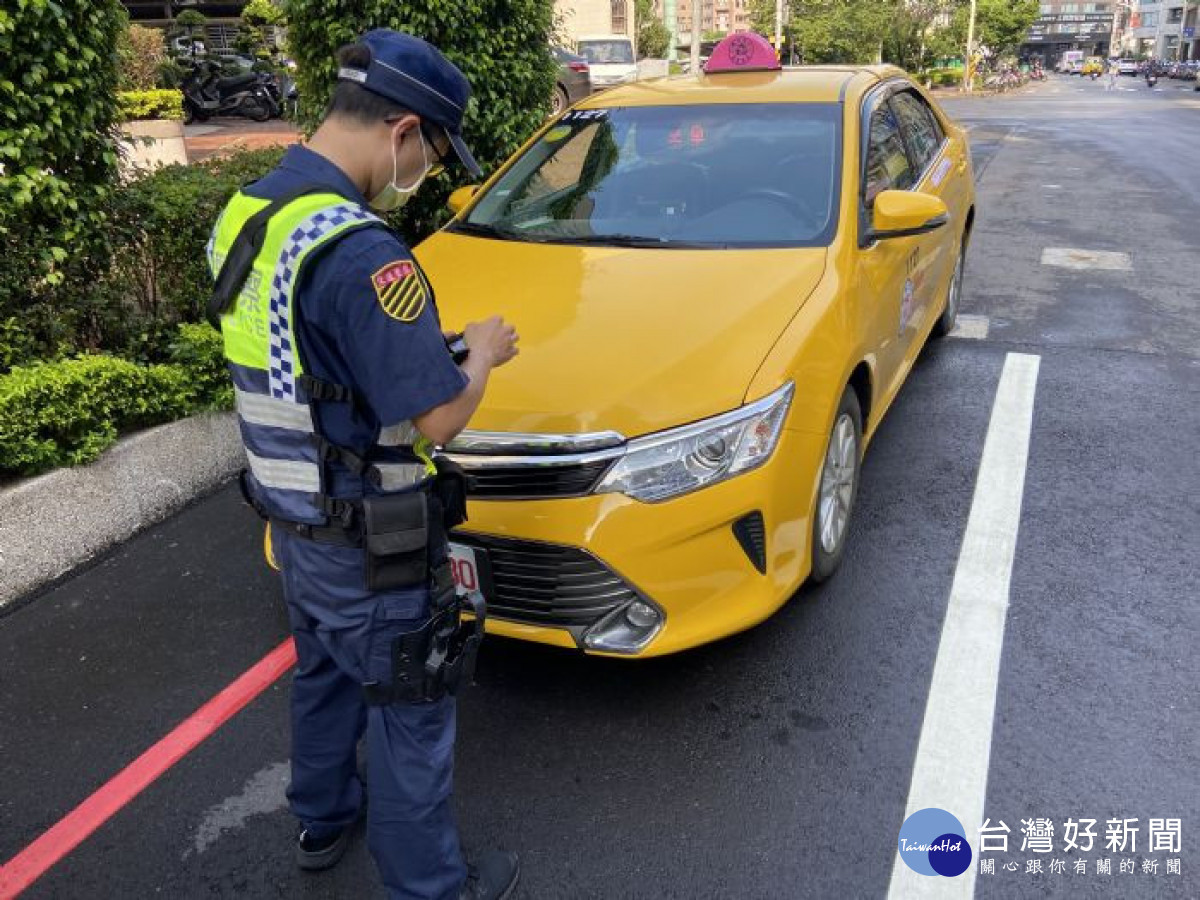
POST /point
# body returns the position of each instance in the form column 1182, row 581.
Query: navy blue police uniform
column 364, row 317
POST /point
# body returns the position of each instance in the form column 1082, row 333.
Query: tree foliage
column 58, row 112
column 653, row 37
column 909, row 33
column 502, row 46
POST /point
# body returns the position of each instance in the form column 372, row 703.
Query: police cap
column 414, row 74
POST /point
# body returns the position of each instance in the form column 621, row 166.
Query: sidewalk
column 217, row 137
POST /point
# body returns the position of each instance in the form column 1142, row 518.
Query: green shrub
column 142, row 54
column 200, row 350
column 58, row 110
column 502, row 46
column 68, row 412
column 152, row 104
column 161, row 225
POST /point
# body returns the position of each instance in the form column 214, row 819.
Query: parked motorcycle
column 206, row 93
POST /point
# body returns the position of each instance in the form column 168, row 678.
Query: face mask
column 392, row 197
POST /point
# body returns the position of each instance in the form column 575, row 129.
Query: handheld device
column 458, row 348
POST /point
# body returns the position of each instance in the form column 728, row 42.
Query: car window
column 728, row 174
column 888, row 167
column 601, row 52
column 921, row 129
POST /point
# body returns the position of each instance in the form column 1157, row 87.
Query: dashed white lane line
column 954, row 750
column 1075, row 258
column 971, row 327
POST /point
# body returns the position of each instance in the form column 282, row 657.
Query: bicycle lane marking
column 72, row 829
column 953, row 753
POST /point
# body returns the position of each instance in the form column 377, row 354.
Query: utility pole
column 1182, row 26
column 670, row 18
column 969, row 65
column 695, row 37
column 779, row 28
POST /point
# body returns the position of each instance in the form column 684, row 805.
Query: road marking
column 1074, row 258
column 971, row 327
column 72, row 829
column 951, row 767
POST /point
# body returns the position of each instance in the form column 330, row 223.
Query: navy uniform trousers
column 343, row 638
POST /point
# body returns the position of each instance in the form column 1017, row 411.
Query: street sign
column 1189, row 32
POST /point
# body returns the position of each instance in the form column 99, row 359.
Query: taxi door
column 937, row 164
column 885, row 267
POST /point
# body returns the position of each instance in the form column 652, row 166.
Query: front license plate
column 470, row 567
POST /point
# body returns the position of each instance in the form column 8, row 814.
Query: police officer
column 344, row 383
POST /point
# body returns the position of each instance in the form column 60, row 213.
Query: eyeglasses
column 439, row 158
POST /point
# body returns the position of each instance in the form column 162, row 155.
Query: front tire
column 837, row 489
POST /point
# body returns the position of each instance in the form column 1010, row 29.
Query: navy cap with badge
column 414, row 74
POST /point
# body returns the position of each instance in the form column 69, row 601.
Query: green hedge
column 68, row 412
column 155, row 104
column 502, row 46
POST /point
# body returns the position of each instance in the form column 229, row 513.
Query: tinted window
column 601, row 52
column 888, row 167
column 714, row 174
column 921, row 130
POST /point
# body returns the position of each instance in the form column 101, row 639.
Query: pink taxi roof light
column 743, row 52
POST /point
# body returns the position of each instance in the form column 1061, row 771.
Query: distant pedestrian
column 1114, row 70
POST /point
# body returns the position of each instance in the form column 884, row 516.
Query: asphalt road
column 777, row 763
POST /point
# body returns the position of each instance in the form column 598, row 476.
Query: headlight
column 686, row 459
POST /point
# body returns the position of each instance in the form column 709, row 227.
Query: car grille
column 526, row 483
column 548, row 584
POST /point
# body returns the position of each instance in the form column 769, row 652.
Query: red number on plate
column 464, row 574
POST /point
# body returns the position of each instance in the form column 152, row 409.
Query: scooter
column 1151, row 79
column 206, row 94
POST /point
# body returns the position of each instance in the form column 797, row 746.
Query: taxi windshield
column 714, row 175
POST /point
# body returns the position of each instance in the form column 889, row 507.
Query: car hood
column 621, row 339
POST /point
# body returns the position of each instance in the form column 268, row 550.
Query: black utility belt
column 400, row 532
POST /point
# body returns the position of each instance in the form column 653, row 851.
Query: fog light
column 641, row 615
column 625, row 630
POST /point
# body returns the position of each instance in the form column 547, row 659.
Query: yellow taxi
column 720, row 281
column 1094, row 65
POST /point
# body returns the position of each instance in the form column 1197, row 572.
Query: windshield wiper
column 621, row 240
column 488, row 231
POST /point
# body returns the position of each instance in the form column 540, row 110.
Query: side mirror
column 905, row 213
column 461, row 197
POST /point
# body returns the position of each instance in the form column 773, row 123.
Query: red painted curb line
column 72, row 829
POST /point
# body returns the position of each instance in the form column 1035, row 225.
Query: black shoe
column 315, row 856
column 493, row 878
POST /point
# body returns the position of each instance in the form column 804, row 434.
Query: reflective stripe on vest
column 275, row 418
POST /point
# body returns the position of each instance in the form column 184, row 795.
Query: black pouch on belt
column 451, row 489
column 396, row 540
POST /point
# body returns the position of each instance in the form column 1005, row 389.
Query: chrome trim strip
column 513, row 442
column 472, row 461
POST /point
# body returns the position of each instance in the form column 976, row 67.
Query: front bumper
column 560, row 566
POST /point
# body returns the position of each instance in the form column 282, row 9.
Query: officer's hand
column 491, row 340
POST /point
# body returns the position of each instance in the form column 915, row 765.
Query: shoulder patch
column 400, row 290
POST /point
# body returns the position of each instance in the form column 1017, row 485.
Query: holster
column 436, row 659
column 396, row 537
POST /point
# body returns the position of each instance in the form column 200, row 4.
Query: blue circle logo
column 933, row 842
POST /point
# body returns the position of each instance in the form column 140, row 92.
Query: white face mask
column 392, row 197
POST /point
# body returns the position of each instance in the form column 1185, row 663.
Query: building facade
column 1163, row 29
column 223, row 15
column 584, row 18
column 1072, row 25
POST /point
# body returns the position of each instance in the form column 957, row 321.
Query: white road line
column 951, row 766
column 1077, row 258
column 972, row 327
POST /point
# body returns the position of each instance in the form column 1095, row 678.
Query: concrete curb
column 55, row 522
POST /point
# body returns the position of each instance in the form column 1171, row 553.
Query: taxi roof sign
column 743, row 52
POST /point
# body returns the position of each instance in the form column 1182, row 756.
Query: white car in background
column 610, row 58
column 1127, row 66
